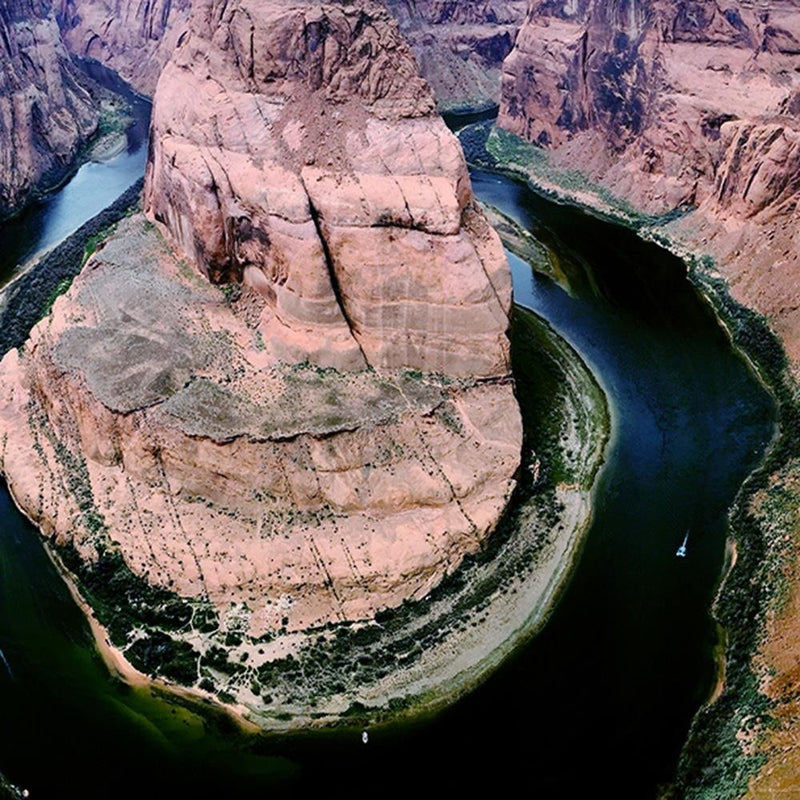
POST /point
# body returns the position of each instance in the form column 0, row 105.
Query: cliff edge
column 46, row 111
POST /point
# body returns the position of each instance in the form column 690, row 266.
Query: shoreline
column 468, row 653
column 114, row 660
column 438, row 677
column 713, row 290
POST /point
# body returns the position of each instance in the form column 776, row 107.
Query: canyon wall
column 46, row 112
column 460, row 45
column 688, row 113
column 133, row 39
column 687, row 105
column 288, row 393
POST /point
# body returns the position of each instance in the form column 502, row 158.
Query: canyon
column 47, row 111
column 677, row 107
column 681, row 119
column 315, row 419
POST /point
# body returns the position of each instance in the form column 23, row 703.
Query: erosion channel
column 622, row 664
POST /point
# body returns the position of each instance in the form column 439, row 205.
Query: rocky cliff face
column 133, row 39
column 653, row 97
column 46, row 113
column 460, row 45
column 677, row 105
column 333, row 429
column 694, row 105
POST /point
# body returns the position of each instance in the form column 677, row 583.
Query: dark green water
column 600, row 701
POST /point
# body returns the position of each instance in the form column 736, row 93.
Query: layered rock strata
column 693, row 107
column 690, row 105
column 46, row 112
column 330, row 428
column 460, row 46
column 133, row 39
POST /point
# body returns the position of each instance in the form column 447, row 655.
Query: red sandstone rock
column 134, row 39
column 335, row 436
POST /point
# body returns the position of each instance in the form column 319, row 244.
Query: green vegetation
column 61, row 288
column 713, row 765
column 344, row 657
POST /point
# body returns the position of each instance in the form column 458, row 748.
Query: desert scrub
column 339, row 660
column 28, row 296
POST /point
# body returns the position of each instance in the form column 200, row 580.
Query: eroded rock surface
column 133, row 39
column 331, row 431
column 460, row 45
column 46, row 112
column 689, row 105
column 653, row 96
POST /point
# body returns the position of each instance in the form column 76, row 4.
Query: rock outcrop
column 460, row 45
column 689, row 105
column 46, row 111
column 133, row 39
column 650, row 96
column 289, row 398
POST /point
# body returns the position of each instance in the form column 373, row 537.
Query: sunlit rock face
column 651, row 95
column 289, row 390
column 460, row 45
column 314, row 169
column 46, row 113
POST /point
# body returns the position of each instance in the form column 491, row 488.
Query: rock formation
column 133, row 39
column 296, row 405
column 689, row 105
column 652, row 97
column 460, row 45
column 46, row 113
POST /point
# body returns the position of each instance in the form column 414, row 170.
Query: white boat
column 682, row 549
column 364, row 737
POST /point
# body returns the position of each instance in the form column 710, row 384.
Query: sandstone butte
column 330, row 432
column 46, row 112
column 692, row 107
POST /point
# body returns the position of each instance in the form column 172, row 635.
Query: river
column 94, row 186
column 600, row 700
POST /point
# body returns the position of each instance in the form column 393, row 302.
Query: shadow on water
column 93, row 187
column 602, row 698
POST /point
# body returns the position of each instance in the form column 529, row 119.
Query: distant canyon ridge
column 48, row 112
